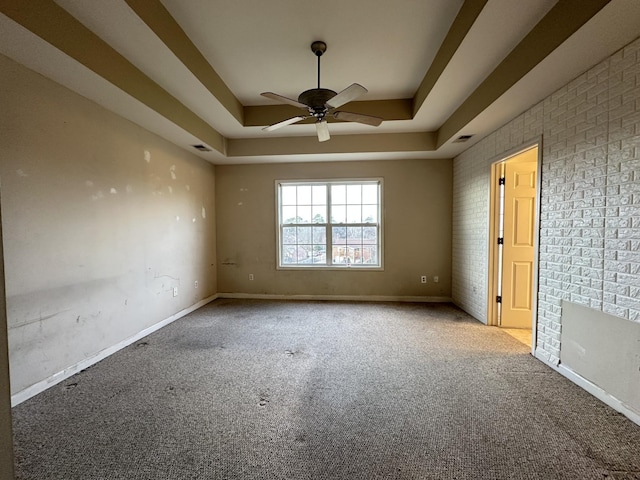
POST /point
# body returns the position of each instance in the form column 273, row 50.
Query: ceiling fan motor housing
column 316, row 98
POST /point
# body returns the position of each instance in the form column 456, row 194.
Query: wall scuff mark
column 80, row 269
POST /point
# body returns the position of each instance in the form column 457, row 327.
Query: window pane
column 370, row 194
column 288, row 195
column 319, row 193
column 320, row 254
column 354, row 235
column 354, row 214
column 339, row 255
column 289, row 255
column 370, row 235
column 354, row 194
column 370, row 214
column 319, row 214
column 289, row 215
column 319, row 235
column 370, row 255
column 304, row 234
column 339, row 214
column 304, row 214
column 304, row 195
column 351, row 255
column 289, row 236
column 305, row 253
column 339, row 235
column 338, row 194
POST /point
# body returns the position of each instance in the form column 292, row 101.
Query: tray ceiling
column 192, row 71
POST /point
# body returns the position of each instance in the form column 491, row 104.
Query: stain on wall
column 93, row 245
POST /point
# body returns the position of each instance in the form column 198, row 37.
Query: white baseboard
column 594, row 390
column 350, row 298
column 56, row 378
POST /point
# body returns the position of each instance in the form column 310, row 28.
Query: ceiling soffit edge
column 56, row 26
column 375, row 142
column 564, row 19
column 457, row 32
column 160, row 21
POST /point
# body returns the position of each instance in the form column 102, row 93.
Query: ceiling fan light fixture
column 322, row 129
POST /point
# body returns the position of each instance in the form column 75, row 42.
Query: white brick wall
column 590, row 199
column 470, row 231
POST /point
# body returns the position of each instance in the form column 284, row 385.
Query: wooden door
column 519, row 232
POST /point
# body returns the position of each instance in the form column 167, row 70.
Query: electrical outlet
column 195, row 284
column 436, row 279
column 175, row 291
column 423, row 279
column 251, row 276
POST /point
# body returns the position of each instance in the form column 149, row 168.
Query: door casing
column 492, row 306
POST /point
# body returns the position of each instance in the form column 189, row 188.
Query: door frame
column 494, row 206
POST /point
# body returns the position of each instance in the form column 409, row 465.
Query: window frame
column 329, row 244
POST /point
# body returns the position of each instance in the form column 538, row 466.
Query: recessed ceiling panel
column 258, row 46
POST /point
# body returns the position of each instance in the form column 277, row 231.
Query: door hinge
column 501, row 181
column 498, row 299
column 501, row 241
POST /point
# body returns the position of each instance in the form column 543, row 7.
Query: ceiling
column 192, row 70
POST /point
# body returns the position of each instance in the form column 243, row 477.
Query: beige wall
column 101, row 220
column 417, row 230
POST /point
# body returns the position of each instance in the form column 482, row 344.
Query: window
column 329, row 224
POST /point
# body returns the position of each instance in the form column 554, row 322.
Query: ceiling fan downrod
column 318, row 48
column 316, row 98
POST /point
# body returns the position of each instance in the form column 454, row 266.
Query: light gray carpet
column 323, row 390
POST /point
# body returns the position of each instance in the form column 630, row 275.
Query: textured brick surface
column 590, row 199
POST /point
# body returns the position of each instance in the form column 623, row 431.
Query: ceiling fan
column 321, row 102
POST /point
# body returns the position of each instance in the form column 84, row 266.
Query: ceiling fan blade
column 280, row 98
column 358, row 117
column 283, row 123
column 350, row 93
column 322, row 129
